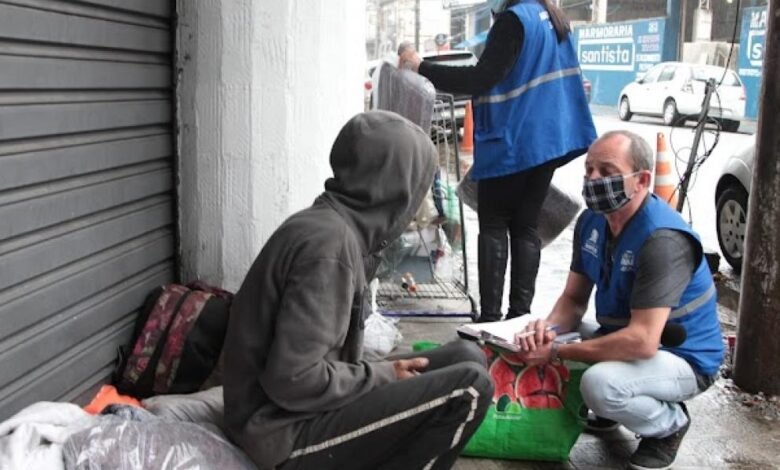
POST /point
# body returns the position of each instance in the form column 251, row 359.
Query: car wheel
column 730, row 126
column 671, row 116
column 732, row 223
column 624, row 109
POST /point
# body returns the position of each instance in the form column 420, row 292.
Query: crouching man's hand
column 407, row 368
column 543, row 354
column 536, row 334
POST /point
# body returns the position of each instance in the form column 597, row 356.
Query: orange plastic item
column 107, row 395
column 665, row 183
column 467, row 144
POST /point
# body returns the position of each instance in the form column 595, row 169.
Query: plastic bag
column 537, row 412
column 381, row 335
column 442, row 258
column 558, row 209
column 404, row 92
column 153, row 444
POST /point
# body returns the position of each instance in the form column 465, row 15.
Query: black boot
column 525, row 265
column 492, row 255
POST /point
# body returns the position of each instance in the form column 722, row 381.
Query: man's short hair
column 640, row 152
column 404, row 46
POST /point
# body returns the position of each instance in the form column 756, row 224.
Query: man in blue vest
column 651, row 280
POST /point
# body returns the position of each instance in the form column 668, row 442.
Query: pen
column 526, row 334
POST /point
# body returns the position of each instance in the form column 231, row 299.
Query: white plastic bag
column 381, row 335
column 140, row 445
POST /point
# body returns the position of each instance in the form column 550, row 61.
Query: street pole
column 599, row 11
column 416, row 25
column 757, row 364
column 683, row 24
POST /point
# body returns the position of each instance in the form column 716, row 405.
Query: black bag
column 177, row 341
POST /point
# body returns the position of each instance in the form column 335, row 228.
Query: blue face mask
column 497, row 6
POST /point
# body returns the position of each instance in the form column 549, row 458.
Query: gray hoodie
column 294, row 342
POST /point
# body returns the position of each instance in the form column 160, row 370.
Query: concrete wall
column 263, row 88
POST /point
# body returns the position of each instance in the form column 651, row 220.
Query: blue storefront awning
column 473, row 41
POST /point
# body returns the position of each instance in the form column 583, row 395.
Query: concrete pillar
column 263, row 88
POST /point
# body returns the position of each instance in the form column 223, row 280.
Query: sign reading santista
column 625, row 47
column 611, row 55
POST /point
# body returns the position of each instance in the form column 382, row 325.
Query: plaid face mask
column 605, row 195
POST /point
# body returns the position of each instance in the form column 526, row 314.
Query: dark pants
column 421, row 422
column 510, row 204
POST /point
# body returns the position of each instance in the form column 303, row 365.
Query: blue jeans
column 641, row 395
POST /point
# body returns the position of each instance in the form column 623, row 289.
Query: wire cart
column 425, row 272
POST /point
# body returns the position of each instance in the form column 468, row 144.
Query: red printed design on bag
column 185, row 319
column 154, row 329
column 539, row 387
column 503, row 380
column 517, row 385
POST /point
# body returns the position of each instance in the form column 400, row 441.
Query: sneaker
column 659, row 453
column 597, row 424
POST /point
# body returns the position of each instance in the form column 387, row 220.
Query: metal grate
column 444, row 134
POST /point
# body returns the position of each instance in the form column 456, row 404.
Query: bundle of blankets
column 168, row 432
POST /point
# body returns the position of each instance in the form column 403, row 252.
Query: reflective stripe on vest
column 676, row 313
column 559, row 74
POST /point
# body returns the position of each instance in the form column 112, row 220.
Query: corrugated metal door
column 86, row 187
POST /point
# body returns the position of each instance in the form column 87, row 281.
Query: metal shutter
column 87, row 190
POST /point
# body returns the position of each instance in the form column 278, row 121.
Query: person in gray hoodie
column 298, row 394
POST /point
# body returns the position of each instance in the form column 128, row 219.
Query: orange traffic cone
column 467, row 144
column 665, row 182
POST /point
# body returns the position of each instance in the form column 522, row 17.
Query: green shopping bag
column 537, row 412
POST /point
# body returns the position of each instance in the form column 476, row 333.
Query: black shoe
column 659, row 453
column 597, row 424
column 514, row 314
column 486, row 318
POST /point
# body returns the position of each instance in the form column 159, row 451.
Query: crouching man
column 649, row 271
column 298, row 394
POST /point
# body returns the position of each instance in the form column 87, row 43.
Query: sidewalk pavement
column 729, row 429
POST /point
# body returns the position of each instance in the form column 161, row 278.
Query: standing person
column 649, row 271
column 298, row 393
column 530, row 116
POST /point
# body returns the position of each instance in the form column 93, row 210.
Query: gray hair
column 404, row 46
column 640, row 152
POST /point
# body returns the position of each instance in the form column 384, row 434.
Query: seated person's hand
column 407, row 368
column 535, row 334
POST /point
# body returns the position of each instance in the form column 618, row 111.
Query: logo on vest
column 591, row 245
column 627, row 261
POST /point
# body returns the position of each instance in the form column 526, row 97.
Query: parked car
column 731, row 204
column 368, row 84
column 675, row 91
column 587, row 86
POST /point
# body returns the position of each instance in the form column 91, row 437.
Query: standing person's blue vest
column 614, row 279
column 539, row 111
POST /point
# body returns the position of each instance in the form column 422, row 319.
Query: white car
column 731, row 204
column 675, row 91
